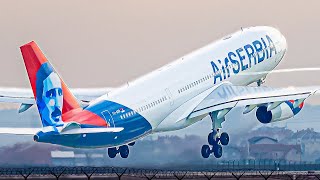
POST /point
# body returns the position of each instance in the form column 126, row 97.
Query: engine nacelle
column 282, row 112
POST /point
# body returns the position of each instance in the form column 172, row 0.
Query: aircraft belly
column 95, row 140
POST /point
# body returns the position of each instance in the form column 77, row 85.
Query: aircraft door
column 169, row 96
column 108, row 117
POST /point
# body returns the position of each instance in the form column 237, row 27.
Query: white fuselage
column 158, row 95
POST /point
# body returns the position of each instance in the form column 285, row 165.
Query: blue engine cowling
column 282, row 112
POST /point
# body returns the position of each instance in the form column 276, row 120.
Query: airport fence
column 225, row 169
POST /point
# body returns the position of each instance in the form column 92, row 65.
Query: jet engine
column 283, row 111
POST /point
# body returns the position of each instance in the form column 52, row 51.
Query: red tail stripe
column 33, row 58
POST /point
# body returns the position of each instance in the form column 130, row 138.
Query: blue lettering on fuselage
column 216, row 71
column 236, row 65
column 256, row 52
column 258, row 47
column 250, row 54
column 241, row 58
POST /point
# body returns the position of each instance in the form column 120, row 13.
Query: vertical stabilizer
column 52, row 96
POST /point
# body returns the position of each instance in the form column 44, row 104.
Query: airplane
column 208, row 82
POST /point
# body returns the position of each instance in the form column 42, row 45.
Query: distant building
column 63, row 158
column 78, row 158
column 310, row 143
column 235, row 153
column 278, row 133
column 263, row 147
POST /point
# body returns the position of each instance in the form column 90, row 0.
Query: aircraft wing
column 25, row 96
column 227, row 96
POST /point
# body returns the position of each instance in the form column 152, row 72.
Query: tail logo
column 49, row 96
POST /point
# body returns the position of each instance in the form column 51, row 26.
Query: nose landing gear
column 261, row 81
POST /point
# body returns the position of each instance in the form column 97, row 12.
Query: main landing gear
column 122, row 150
column 216, row 139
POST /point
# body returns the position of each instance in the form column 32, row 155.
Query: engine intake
column 282, row 112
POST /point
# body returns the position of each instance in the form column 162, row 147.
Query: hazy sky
column 106, row 43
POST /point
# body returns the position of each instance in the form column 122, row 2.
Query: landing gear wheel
column 217, row 151
column 205, row 151
column 112, row 152
column 211, row 139
column 124, row 151
column 224, row 138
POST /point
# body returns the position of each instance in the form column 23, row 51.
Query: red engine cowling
column 282, row 112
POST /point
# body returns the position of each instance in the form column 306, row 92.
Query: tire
column 112, row 152
column 124, row 151
column 224, row 138
column 131, row 144
column 211, row 139
column 217, row 151
column 205, row 151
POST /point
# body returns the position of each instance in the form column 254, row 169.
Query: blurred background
column 107, row 43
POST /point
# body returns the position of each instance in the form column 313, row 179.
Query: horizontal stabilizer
column 32, row 131
column 20, row 131
column 92, row 130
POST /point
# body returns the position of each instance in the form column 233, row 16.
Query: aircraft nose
column 283, row 43
column 280, row 40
